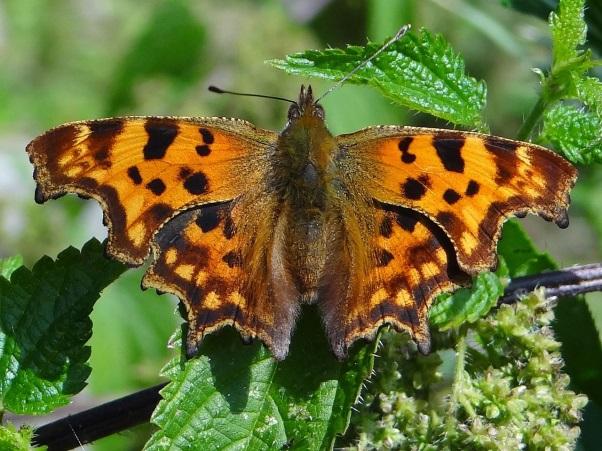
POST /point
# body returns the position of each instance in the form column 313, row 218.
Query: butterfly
column 247, row 225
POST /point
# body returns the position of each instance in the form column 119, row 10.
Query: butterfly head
column 306, row 106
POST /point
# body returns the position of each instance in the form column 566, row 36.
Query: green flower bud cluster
column 503, row 388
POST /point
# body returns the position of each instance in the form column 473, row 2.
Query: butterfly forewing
column 145, row 170
column 467, row 183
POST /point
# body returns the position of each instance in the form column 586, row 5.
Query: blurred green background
column 71, row 60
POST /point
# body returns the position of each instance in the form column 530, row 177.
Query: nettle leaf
column 235, row 396
column 589, row 90
column 575, row 132
column 467, row 305
column 44, row 325
column 9, row 264
column 520, row 255
column 420, row 71
column 568, row 29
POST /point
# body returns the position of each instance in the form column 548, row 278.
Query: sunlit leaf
column 568, row 30
column 575, row 132
column 9, row 264
column 467, row 305
column 234, row 396
column 420, row 71
column 44, row 325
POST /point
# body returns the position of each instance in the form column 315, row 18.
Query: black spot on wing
column 156, row 186
column 405, row 221
column 101, row 139
column 134, row 175
column 208, row 219
column 383, row 257
column 449, row 151
column 109, row 127
column 451, row 196
column 207, row 135
column 472, row 188
column 413, row 189
column 505, row 160
column 203, row 150
column 196, row 183
column 160, row 212
column 161, row 134
column 404, row 146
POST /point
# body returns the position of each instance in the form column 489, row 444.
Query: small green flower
column 509, row 391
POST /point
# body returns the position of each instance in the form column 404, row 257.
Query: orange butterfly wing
column 144, row 171
column 467, row 183
column 410, row 263
column 220, row 264
column 440, row 199
column 190, row 190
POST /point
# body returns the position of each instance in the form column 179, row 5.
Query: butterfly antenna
column 403, row 30
column 223, row 91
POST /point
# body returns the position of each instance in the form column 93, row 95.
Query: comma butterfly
column 245, row 225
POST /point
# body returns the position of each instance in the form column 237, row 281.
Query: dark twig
column 93, row 424
column 137, row 408
column 565, row 282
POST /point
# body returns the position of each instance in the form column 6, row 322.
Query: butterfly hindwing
column 410, row 263
column 144, row 170
column 205, row 257
column 467, row 183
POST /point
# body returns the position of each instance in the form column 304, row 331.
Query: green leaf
column 170, row 46
column 234, row 396
column 521, row 257
column 568, row 30
column 575, row 132
column 469, row 304
column 420, row 71
column 9, row 264
column 581, row 349
column 589, row 90
column 44, row 325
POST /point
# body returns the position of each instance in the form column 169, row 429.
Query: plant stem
column 534, row 116
column 458, row 387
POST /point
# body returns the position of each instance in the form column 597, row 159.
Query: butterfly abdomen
column 303, row 178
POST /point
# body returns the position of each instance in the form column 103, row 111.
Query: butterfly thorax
column 303, row 174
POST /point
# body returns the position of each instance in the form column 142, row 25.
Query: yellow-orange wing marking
column 467, row 183
column 144, row 171
column 411, row 262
